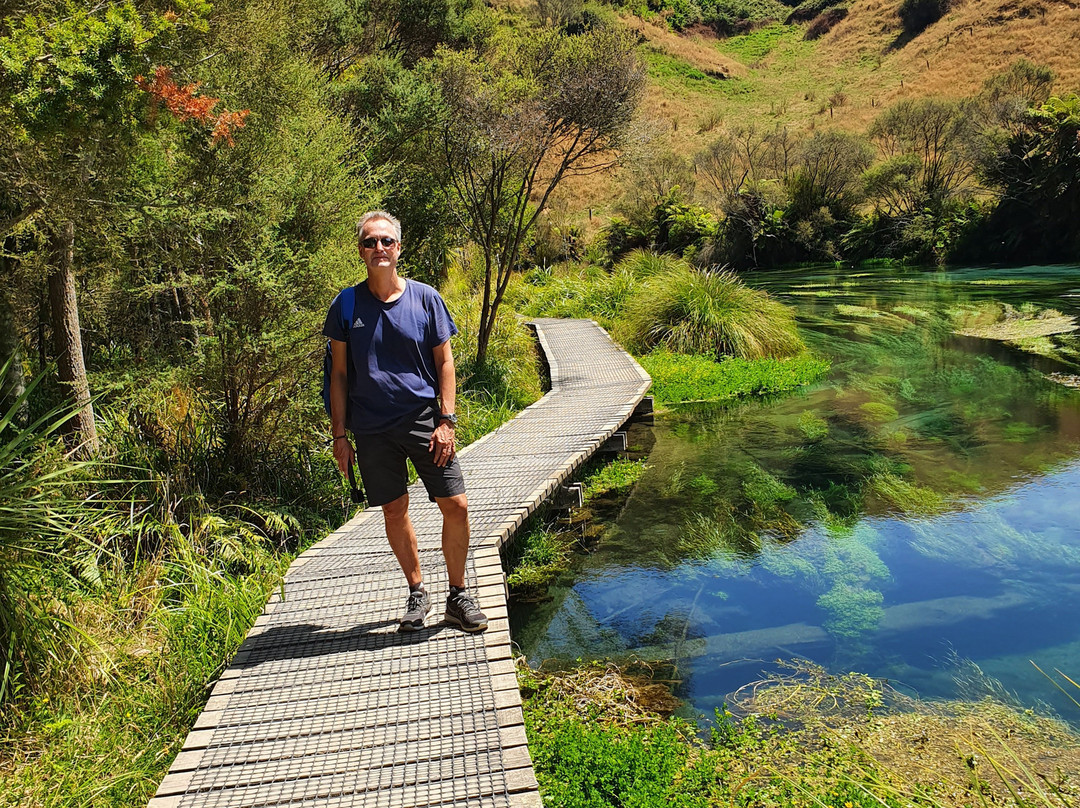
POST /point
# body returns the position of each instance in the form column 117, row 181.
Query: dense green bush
column 825, row 22
column 927, row 236
column 808, row 10
column 916, row 15
column 1037, row 169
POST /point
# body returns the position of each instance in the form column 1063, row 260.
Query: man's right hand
column 344, row 454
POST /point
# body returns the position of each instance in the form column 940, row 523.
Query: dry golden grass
column 697, row 48
column 861, row 65
column 953, row 57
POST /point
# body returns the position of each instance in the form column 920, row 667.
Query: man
column 400, row 405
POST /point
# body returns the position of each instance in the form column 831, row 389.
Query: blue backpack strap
column 348, row 305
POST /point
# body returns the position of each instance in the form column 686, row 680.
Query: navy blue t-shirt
column 391, row 346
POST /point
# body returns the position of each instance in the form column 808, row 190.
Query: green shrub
column 808, row 10
column 916, row 15
column 589, row 292
column 707, row 312
column 825, row 22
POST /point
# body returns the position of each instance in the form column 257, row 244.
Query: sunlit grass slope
column 773, row 77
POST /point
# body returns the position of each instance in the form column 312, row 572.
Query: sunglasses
column 371, row 241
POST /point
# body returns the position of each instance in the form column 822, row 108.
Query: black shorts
column 381, row 460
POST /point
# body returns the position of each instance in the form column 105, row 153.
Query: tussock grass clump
column 644, row 264
column 710, row 313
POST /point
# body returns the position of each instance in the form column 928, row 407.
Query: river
column 914, row 516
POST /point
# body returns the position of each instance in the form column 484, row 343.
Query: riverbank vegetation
column 802, row 737
column 701, row 334
column 544, row 547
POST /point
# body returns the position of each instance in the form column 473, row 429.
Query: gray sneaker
column 462, row 611
column 416, row 609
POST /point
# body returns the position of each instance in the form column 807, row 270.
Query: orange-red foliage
column 186, row 105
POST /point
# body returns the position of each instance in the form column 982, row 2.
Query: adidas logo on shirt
column 358, row 323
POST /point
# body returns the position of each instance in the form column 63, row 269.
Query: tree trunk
column 12, row 383
column 80, row 431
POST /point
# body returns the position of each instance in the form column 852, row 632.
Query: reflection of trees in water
column 770, row 498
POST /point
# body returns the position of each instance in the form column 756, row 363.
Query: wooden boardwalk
column 326, row 704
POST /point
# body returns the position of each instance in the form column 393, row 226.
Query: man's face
column 374, row 247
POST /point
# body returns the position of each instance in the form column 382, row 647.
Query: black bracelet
column 339, row 437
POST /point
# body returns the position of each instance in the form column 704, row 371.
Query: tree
column 1015, row 90
column 939, row 135
column 828, row 166
column 519, row 119
column 720, row 166
column 11, row 377
column 70, row 103
column 256, row 237
column 1038, row 172
column 744, row 155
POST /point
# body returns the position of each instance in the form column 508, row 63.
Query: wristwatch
column 449, row 416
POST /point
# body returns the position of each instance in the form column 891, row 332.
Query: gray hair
column 377, row 214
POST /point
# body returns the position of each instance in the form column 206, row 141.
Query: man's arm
column 442, row 440
column 339, row 401
column 447, row 374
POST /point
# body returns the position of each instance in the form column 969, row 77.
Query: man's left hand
column 441, row 444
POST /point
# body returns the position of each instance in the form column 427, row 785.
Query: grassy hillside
column 772, row 76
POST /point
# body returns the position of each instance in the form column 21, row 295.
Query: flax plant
column 39, row 522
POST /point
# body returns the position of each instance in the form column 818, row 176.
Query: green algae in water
column 911, row 499
column 913, row 311
column 788, row 565
column 703, row 485
column 718, row 538
column 853, row 611
column 995, row 542
column 764, row 490
column 1020, row 433
column 879, row 412
column 849, row 310
column 813, row 426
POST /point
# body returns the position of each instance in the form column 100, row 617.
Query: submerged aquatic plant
column 813, row 426
column 909, row 498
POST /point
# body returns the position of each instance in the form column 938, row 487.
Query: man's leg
column 455, row 536
column 402, row 538
column 461, row 607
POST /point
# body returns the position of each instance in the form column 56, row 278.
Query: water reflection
column 919, row 505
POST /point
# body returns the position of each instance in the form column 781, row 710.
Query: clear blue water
column 915, row 516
